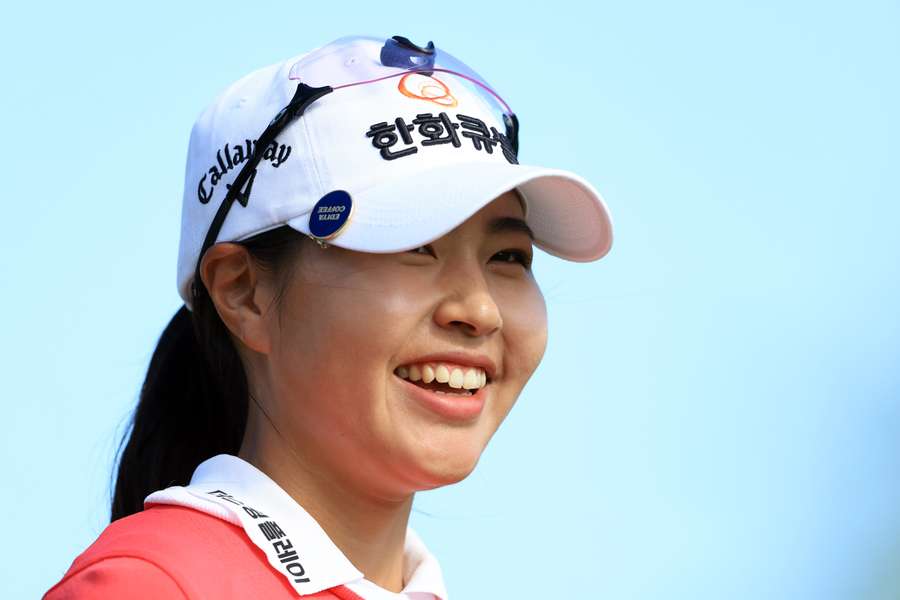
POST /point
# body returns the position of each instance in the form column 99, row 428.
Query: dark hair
column 193, row 403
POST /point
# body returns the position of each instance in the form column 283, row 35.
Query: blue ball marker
column 330, row 215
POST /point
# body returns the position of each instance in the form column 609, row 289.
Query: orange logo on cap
column 425, row 87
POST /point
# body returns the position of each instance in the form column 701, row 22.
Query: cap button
column 330, row 215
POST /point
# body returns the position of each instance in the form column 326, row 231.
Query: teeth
column 455, row 377
column 472, row 380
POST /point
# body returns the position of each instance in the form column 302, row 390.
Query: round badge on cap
column 330, row 215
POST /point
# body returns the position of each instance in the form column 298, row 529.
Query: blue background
column 717, row 413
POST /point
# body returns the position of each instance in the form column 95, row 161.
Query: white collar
column 230, row 488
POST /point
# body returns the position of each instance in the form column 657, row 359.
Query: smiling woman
column 355, row 330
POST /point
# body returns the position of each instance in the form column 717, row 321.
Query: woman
column 360, row 316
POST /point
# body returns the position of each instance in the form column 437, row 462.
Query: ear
column 241, row 296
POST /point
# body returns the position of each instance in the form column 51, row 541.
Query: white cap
column 403, row 196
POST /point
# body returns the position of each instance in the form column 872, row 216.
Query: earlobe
column 232, row 278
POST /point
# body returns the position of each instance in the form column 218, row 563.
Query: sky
column 718, row 411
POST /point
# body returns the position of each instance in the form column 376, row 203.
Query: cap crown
column 351, row 139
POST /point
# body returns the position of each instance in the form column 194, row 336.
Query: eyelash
column 521, row 257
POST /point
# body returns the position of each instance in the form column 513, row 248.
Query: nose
column 468, row 305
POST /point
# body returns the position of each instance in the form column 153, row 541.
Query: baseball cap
column 374, row 145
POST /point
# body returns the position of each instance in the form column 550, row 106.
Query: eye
column 512, row 255
column 425, row 250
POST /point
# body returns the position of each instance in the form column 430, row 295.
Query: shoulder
column 168, row 551
column 167, row 536
column 117, row 577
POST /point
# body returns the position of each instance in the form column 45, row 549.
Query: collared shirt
column 231, row 489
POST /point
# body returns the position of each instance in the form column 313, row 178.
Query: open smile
column 452, row 399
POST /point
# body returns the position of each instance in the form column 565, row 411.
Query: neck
column 370, row 531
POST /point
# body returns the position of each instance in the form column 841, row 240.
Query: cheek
column 339, row 337
column 525, row 327
column 349, row 310
column 525, row 340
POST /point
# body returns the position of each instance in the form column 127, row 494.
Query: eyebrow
column 503, row 224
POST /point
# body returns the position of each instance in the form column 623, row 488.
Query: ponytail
column 193, row 403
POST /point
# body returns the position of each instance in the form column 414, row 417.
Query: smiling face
column 335, row 360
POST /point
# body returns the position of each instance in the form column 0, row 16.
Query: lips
column 458, row 405
column 452, row 385
column 455, row 407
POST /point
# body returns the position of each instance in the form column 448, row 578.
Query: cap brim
column 567, row 215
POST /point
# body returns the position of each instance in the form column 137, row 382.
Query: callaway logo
column 229, row 158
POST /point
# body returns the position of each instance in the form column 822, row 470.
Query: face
column 354, row 329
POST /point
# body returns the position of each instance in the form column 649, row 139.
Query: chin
column 445, row 465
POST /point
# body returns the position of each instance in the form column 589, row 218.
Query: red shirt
column 175, row 552
column 200, row 541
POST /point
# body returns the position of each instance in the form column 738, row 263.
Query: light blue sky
column 718, row 412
